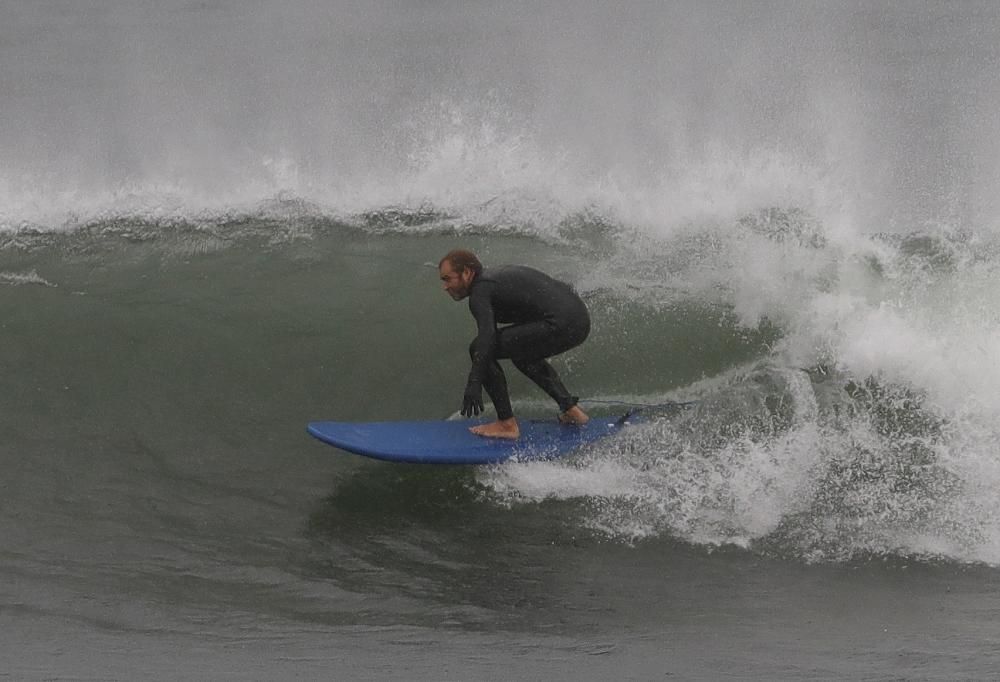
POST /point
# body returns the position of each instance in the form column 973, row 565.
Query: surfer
column 542, row 317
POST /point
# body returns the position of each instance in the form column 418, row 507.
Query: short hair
column 460, row 260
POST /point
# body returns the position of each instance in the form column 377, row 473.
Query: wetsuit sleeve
column 484, row 347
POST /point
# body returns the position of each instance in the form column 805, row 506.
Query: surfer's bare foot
column 504, row 428
column 574, row 415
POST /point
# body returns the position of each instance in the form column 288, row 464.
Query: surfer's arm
column 484, row 347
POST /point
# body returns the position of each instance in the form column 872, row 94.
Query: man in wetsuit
column 543, row 317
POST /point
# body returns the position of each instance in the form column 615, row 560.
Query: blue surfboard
column 450, row 442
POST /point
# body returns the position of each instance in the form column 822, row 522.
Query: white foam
column 24, row 278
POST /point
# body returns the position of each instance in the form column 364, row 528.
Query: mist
column 877, row 115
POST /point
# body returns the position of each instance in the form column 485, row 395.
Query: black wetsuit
column 545, row 317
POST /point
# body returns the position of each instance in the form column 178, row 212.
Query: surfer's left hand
column 472, row 402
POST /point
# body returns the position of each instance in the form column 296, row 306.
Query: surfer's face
column 456, row 283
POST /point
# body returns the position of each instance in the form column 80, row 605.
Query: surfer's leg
column 528, row 346
column 495, row 383
column 546, row 378
column 543, row 338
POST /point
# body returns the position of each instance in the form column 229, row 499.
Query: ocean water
column 220, row 220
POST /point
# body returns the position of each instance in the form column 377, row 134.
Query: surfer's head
column 457, row 270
